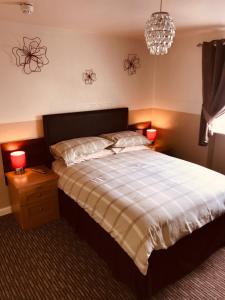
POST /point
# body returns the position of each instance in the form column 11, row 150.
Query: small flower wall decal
column 131, row 63
column 32, row 56
column 89, row 76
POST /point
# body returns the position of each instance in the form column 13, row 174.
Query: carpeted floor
column 53, row 263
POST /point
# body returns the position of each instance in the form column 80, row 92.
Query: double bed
column 152, row 217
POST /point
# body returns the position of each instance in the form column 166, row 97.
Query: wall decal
column 131, row 63
column 89, row 76
column 32, row 56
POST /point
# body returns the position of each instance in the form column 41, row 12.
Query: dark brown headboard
column 58, row 127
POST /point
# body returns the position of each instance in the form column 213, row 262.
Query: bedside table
column 34, row 197
column 160, row 147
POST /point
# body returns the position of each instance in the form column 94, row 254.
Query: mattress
column 144, row 199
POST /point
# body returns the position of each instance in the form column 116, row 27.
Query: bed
column 165, row 265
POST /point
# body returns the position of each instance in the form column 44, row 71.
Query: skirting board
column 5, row 211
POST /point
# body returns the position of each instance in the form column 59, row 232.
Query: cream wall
column 217, row 160
column 177, row 99
column 179, row 131
column 59, row 86
column 178, row 75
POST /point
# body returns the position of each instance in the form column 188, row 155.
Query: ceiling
column 124, row 17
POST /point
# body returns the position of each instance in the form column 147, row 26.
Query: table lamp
column 18, row 161
column 151, row 135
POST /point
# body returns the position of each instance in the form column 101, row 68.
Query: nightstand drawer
column 40, row 213
column 39, row 194
column 40, row 210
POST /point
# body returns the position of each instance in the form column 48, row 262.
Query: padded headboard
column 64, row 126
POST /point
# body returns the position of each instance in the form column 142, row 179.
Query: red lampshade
column 151, row 134
column 18, row 159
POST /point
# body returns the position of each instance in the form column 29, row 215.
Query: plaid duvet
column 144, row 199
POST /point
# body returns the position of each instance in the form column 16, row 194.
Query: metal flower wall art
column 32, row 56
column 131, row 63
column 89, row 76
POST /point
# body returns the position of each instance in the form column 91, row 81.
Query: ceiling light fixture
column 159, row 32
column 27, row 8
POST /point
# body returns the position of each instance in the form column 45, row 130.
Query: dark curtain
column 213, row 80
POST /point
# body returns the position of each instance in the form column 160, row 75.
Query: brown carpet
column 53, row 263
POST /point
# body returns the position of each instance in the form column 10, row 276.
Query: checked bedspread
column 144, row 199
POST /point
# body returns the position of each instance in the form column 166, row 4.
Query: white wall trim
column 5, row 211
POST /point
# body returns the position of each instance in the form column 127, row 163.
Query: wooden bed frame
column 165, row 266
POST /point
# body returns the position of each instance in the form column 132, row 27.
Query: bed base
column 165, row 266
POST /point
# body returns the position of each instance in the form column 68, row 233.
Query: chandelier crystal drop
column 159, row 32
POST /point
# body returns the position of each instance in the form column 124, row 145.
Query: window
column 219, row 125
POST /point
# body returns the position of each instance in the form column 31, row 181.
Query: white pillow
column 100, row 154
column 117, row 150
column 126, row 138
column 75, row 149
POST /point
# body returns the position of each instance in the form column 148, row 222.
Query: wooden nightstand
column 34, row 197
column 160, row 147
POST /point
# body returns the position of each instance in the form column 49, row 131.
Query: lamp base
column 19, row 171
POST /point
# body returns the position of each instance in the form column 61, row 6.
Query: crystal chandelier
column 159, row 32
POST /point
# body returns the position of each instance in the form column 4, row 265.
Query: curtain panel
column 213, row 84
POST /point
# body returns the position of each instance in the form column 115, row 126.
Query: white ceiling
column 124, row 17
